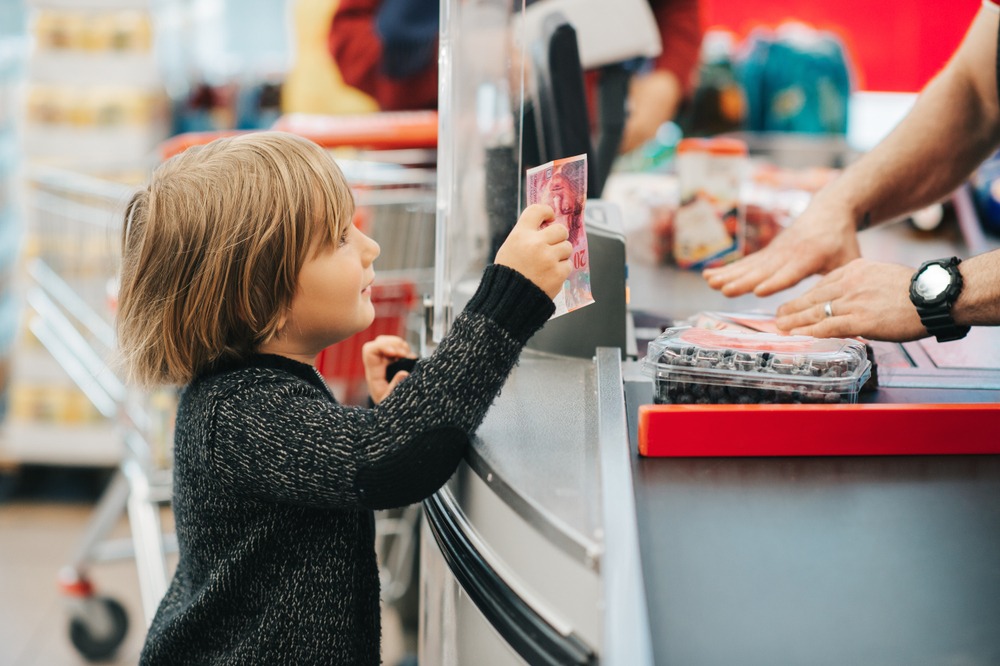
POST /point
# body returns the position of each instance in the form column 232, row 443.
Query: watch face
column 932, row 282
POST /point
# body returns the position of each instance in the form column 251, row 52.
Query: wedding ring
column 828, row 308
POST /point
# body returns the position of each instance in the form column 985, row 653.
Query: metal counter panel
column 538, row 450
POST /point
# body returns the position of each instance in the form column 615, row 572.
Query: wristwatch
column 934, row 288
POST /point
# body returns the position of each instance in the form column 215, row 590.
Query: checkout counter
column 556, row 543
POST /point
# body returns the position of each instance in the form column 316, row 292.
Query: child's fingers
column 564, row 250
column 389, row 346
column 536, row 215
column 554, row 233
column 397, row 379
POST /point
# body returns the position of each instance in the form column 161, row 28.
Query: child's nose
column 373, row 248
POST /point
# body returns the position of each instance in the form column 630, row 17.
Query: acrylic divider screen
column 482, row 83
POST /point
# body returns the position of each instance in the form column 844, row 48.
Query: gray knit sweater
column 275, row 484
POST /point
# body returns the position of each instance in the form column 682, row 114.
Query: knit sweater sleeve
column 284, row 442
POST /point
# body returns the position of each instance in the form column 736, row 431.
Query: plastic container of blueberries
column 699, row 366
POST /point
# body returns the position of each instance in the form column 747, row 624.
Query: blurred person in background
column 952, row 128
column 388, row 49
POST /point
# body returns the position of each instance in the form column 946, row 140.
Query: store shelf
column 70, row 146
column 82, row 445
column 95, row 69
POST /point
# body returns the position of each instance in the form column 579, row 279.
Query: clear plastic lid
column 750, row 358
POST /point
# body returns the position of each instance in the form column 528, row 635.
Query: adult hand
column 376, row 355
column 653, row 99
column 538, row 250
column 866, row 298
column 820, row 240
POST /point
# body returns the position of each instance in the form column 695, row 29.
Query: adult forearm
column 954, row 126
column 929, row 154
column 979, row 303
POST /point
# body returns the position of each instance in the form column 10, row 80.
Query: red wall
column 895, row 45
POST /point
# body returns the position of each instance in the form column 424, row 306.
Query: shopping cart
column 72, row 258
column 72, row 261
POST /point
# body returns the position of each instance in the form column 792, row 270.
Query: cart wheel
column 99, row 628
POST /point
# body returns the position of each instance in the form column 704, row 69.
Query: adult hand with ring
column 872, row 301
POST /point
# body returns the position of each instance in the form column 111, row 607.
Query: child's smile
column 333, row 299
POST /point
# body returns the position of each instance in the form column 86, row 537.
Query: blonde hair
column 212, row 248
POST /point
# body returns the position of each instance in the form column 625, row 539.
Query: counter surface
column 767, row 561
column 854, row 560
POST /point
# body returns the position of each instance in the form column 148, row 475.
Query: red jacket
column 357, row 50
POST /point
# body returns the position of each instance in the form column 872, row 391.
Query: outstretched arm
column 953, row 127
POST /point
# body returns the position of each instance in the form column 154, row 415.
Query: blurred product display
column 728, row 203
column 793, row 78
column 225, row 64
column 986, row 193
column 718, row 103
column 657, row 154
column 796, row 79
column 12, row 48
column 94, row 91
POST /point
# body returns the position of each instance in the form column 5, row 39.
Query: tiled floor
column 37, row 537
column 39, row 532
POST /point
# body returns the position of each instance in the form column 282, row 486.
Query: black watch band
column 935, row 311
column 939, row 323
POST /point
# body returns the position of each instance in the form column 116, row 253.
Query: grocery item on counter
column 708, row 225
column 764, row 322
column 774, row 197
column 770, row 198
column 692, row 365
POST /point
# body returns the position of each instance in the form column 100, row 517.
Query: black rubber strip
column 534, row 639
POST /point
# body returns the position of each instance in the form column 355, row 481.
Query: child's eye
column 343, row 237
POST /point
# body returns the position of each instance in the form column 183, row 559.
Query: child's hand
column 376, row 356
column 537, row 250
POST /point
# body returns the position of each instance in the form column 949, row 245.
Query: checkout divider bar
column 627, row 637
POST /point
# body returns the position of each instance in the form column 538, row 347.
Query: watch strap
column 937, row 318
column 939, row 323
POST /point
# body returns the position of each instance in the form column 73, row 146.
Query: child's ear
column 282, row 322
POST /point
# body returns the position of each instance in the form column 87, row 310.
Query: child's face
column 333, row 300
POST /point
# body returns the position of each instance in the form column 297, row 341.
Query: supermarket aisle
column 39, row 529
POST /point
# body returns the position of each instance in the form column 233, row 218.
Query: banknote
column 562, row 184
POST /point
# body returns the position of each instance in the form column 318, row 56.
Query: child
column 240, row 263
